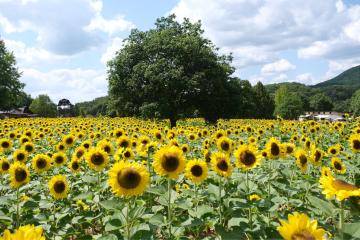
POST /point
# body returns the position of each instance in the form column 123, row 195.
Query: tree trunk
column 172, row 122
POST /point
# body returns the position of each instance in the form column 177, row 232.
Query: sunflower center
column 41, row 163
column 342, row 185
column 59, row 159
column 337, row 165
column 79, row 154
column 5, row 166
column 20, row 157
column 303, row 235
column 97, row 159
column 222, row 165
column 333, row 151
column 59, row 186
column 303, row 160
column 69, row 141
column 158, row 136
column 20, row 175
column 107, row 149
column 289, row 149
column 128, row 178
column 124, row 144
column 275, row 150
column 247, row 158
column 29, row 148
column 317, row 156
column 75, row 165
column 127, row 154
column 171, row 163
column 225, row 146
column 356, row 144
column 5, row 144
column 196, row 170
column 86, row 145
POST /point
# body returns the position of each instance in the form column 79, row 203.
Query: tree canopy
column 288, row 105
column 10, row 86
column 170, row 71
column 43, row 106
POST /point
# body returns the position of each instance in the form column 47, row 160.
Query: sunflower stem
column 196, row 198
column 220, row 207
column 247, row 182
column 17, row 208
column 128, row 236
column 341, row 220
column 169, row 207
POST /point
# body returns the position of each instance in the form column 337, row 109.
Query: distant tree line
column 173, row 72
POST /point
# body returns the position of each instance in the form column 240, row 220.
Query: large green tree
column 10, row 86
column 288, row 104
column 170, row 71
column 320, row 102
column 355, row 103
column 43, row 106
column 264, row 102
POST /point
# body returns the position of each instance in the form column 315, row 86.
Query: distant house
column 23, row 112
column 329, row 115
column 65, row 108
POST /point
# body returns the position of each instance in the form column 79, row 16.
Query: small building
column 326, row 115
column 23, row 112
column 65, row 108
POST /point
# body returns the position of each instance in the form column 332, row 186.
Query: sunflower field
column 127, row 178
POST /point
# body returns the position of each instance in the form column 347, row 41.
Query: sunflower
column 224, row 144
column 19, row 175
column 274, row 148
column 28, row 147
column 289, row 148
column 196, row 171
column 128, row 179
column 74, row 165
column 4, row 165
column 68, row 140
column 185, row 148
column 333, row 187
column 28, row 232
column 41, row 163
column 169, row 162
column 123, row 142
column 106, row 146
column 221, row 164
column 58, row 187
column 300, row 226
column 338, row 165
column 302, row 159
column 20, row 155
column 127, row 153
column 97, row 159
column 247, row 157
column 86, row 144
column 334, row 150
column 79, row 152
column 316, row 156
column 59, row 158
column 354, row 142
column 254, row 197
column 5, row 144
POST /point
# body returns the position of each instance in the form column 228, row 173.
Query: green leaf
column 112, row 204
column 235, row 222
column 113, row 224
column 108, row 237
column 324, row 206
column 352, row 229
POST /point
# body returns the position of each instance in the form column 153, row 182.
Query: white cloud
column 112, row 26
column 116, row 45
column 279, row 66
column 61, row 27
column 31, row 55
column 73, row 84
column 258, row 31
column 305, row 78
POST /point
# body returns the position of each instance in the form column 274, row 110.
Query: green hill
column 350, row 77
column 339, row 89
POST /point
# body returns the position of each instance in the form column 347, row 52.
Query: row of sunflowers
column 126, row 178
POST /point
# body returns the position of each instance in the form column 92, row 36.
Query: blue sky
column 62, row 46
